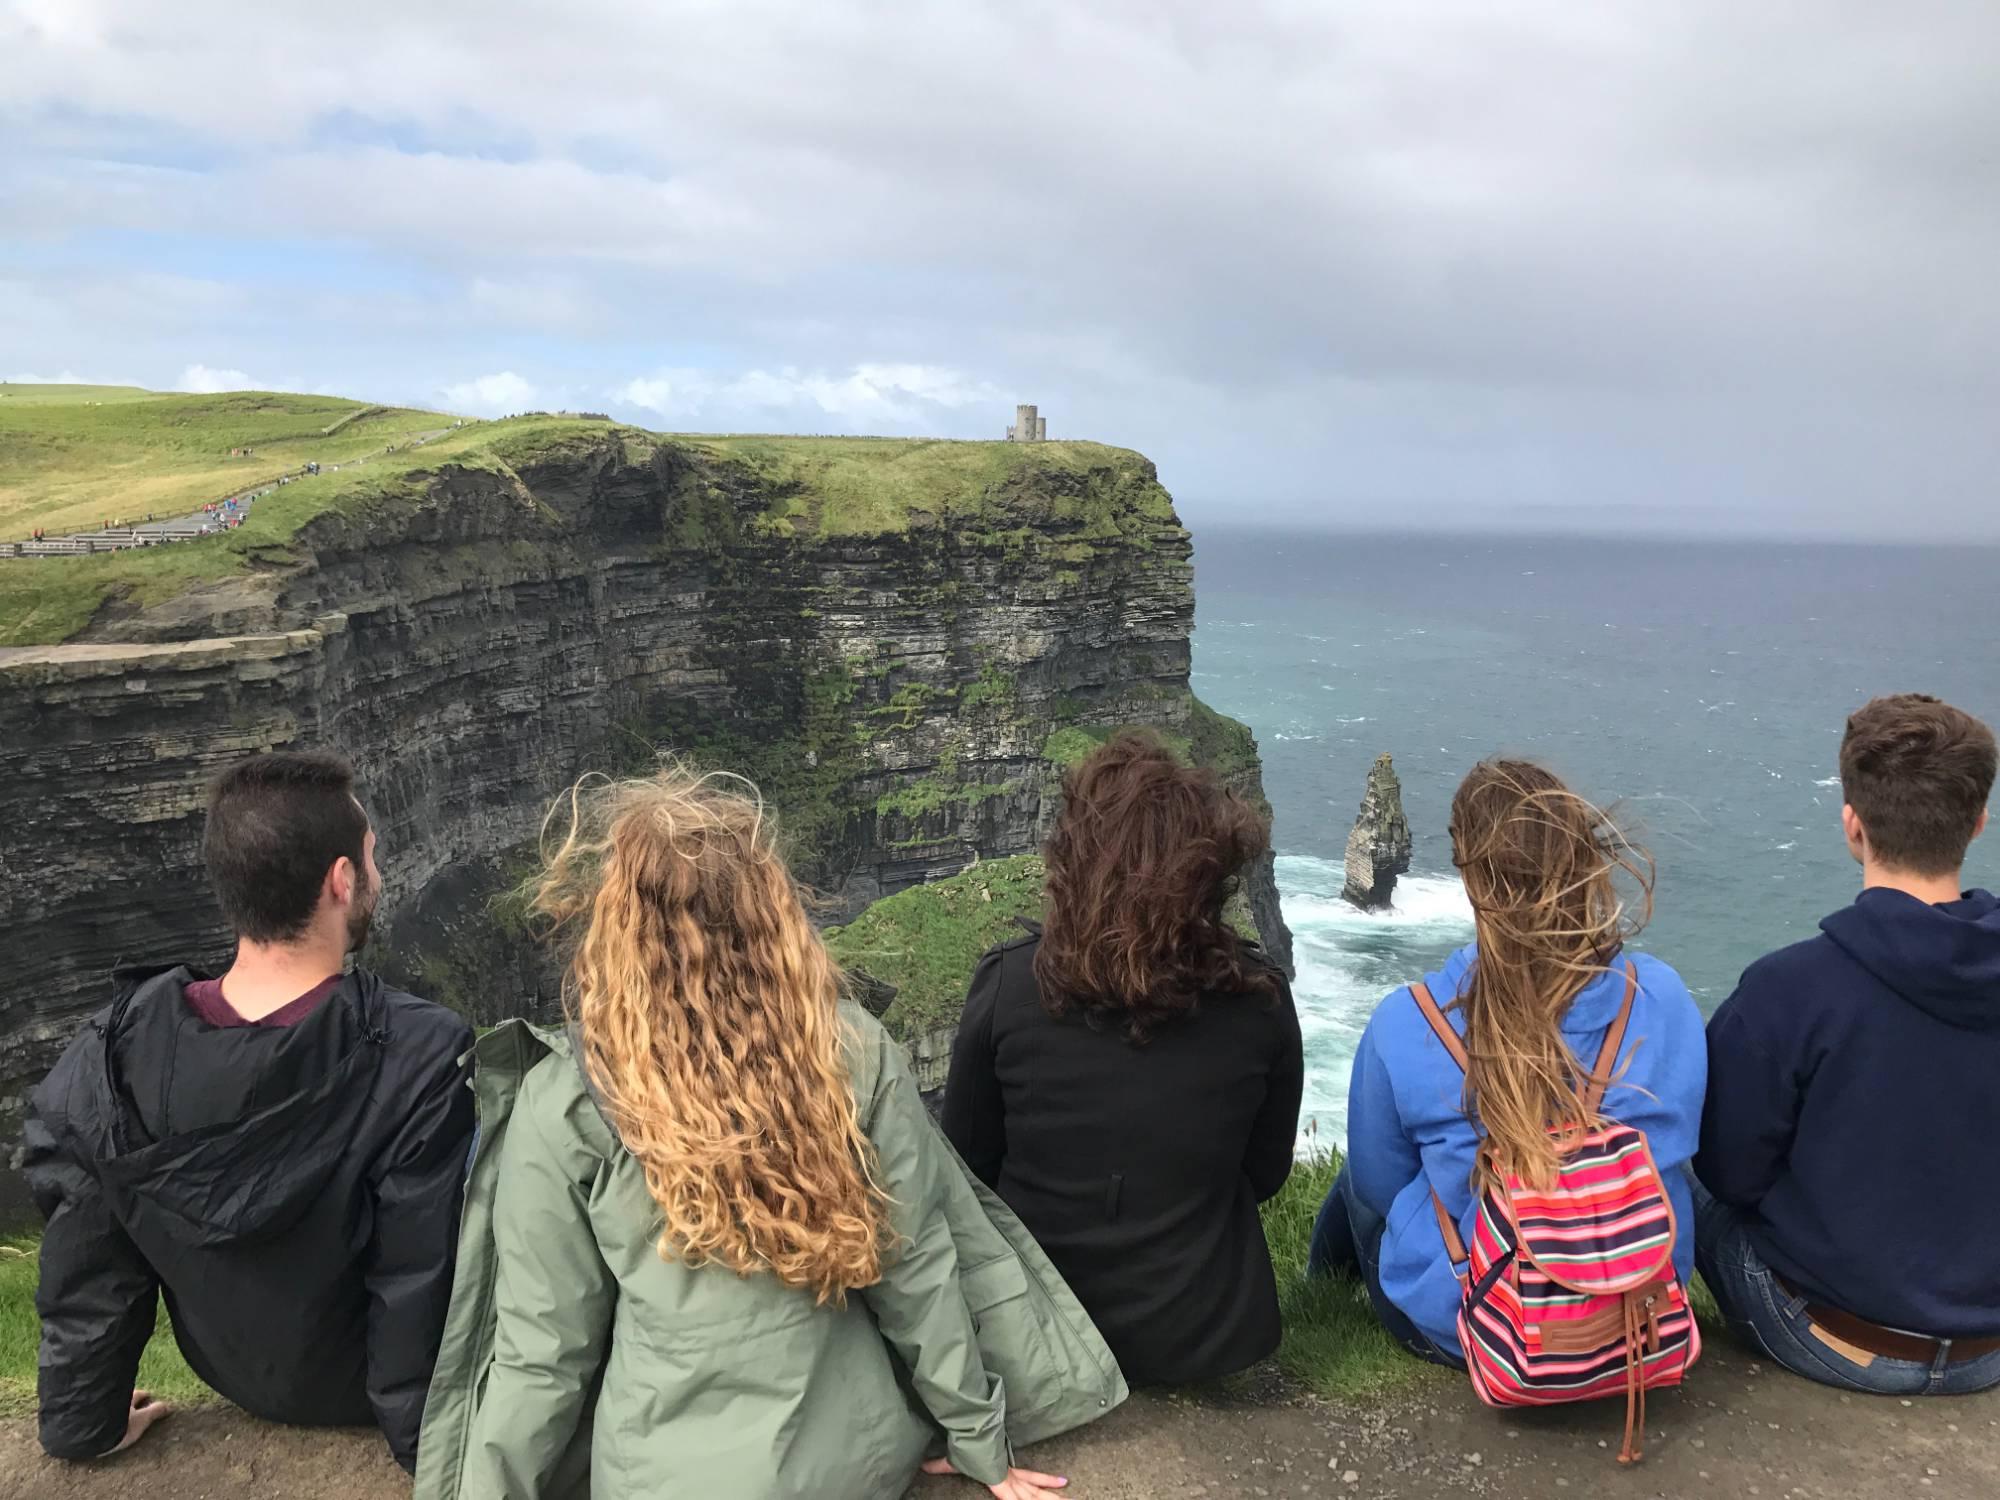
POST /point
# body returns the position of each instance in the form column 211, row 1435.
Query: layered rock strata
column 478, row 637
column 1378, row 848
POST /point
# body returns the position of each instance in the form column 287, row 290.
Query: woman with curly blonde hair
column 713, row 1244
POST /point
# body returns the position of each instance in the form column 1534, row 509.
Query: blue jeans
column 1766, row 1316
column 1347, row 1237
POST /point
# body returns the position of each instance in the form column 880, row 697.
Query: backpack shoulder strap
column 1454, row 1242
column 1453, row 1043
column 1614, row 1042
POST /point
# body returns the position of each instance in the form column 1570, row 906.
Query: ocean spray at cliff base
column 1348, row 960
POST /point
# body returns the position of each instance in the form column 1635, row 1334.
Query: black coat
column 1139, row 1167
column 293, row 1191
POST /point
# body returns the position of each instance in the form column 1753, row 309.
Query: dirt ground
column 1741, row 1430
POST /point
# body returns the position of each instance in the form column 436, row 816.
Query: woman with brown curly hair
column 1128, row 1077
column 713, row 1244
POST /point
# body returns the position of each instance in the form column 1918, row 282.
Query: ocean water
column 1700, row 687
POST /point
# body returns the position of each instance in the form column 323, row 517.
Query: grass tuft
column 927, row 940
column 1332, row 1342
column 161, row 1368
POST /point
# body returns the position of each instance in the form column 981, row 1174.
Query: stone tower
column 1029, row 426
column 1378, row 850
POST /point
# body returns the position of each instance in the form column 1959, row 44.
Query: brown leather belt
column 1888, row 1342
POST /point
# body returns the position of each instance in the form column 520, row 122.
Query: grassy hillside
column 50, row 599
column 927, row 940
column 65, row 449
column 73, row 456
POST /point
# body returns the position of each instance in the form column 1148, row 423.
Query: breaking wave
column 1347, row 960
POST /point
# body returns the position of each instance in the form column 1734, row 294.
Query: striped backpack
column 1569, row 1291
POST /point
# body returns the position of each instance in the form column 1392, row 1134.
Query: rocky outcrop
column 478, row 637
column 1378, row 849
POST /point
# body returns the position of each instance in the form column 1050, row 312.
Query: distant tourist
column 1128, row 1077
column 278, row 1151
column 720, row 1249
column 1848, row 1222
column 1434, row 1124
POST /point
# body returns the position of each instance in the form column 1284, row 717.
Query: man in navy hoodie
column 1846, row 1213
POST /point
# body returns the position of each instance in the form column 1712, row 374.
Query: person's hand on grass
column 144, row 1413
column 1020, row 1484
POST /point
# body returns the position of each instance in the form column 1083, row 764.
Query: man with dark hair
column 279, row 1151
column 1845, row 1213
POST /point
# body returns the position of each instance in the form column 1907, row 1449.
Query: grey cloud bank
column 1684, row 266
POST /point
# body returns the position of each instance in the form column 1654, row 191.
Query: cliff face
column 1378, row 848
column 896, row 680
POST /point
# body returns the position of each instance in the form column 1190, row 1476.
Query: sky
column 1687, row 266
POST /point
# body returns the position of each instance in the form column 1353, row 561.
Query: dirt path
column 187, row 527
column 1740, row 1431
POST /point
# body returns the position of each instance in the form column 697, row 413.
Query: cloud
column 491, row 395
column 200, row 380
column 892, row 396
column 1448, row 253
column 68, row 377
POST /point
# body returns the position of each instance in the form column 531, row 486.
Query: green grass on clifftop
column 72, row 457
column 49, row 599
column 1224, row 745
column 927, row 940
column 874, row 486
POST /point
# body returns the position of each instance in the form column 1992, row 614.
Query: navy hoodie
column 1854, row 1110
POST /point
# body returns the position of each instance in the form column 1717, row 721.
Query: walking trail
column 1741, row 1429
column 187, row 528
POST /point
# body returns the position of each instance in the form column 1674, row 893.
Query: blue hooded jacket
column 1853, row 1108
column 1407, row 1132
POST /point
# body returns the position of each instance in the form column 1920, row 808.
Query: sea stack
column 1378, row 850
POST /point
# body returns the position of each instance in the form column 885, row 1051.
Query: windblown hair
column 707, row 1005
column 1140, row 862
column 1539, row 864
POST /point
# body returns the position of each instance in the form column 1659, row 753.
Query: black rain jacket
column 1137, row 1168
column 293, row 1191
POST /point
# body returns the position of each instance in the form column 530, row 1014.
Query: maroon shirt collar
column 204, row 998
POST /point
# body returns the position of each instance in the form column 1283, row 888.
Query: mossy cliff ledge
column 901, row 642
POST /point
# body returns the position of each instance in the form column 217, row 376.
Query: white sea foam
column 1828, row 781
column 1347, row 960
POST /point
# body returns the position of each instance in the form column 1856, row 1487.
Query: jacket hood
column 233, row 1132
column 1943, row 959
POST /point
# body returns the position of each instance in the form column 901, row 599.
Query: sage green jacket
column 578, row 1362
